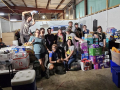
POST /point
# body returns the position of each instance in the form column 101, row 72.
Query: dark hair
column 67, row 44
column 28, row 15
column 41, row 30
column 99, row 27
column 84, row 25
column 48, row 29
column 76, row 23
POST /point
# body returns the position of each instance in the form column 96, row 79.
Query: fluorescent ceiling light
column 43, row 16
column 66, row 15
column 13, row 20
column 2, row 14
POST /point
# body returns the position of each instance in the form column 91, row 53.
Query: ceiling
column 37, row 3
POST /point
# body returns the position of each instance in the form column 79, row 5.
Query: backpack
column 75, row 66
column 59, row 69
column 37, row 68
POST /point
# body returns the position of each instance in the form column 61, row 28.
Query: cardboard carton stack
column 8, row 38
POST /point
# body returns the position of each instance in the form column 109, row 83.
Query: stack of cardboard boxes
column 8, row 38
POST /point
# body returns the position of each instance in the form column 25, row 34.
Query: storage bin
column 24, row 80
column 116, row 76
column 113, row 64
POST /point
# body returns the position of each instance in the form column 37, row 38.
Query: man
column 71, row 36
column 24, row 35
column 71, row 26
column 49, row 39
column 78, row 31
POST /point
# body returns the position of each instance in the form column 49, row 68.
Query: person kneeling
column 70, row 54
column 54, row 58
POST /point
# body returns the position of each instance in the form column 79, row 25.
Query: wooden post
column 107, row 4
column 9, row 21
column 79, row 14
column 85, row 4
column 91, row 9
column 39, row 14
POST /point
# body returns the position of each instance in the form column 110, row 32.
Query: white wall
column 109, row 18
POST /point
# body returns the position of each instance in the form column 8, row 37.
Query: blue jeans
column 71, row 59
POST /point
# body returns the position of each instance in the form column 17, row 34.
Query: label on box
column 88, row 36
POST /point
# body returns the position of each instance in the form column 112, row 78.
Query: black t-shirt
column 101, row 37
column 77, row 32
column 49, row 40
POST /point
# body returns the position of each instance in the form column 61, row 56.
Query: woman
column 101, row 36
column 70, row 54
column 42, row 32
column 39, row 48
column 85, row 30
column 60, row 41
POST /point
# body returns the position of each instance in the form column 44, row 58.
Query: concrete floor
column 79, row 80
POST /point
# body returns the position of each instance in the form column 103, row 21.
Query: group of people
column 60, row 47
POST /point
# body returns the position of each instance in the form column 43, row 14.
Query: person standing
column 26, row 24
column 71, row 36
column 85, row 30
column 49, row 39
column 60, row 41
column 78, row 31
column 71, row 26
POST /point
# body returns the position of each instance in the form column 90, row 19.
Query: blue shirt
column 86, row 32
column 54, row 55
column 38, row 45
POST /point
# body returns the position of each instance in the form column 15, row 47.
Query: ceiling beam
column 67, row 5
column 36, row 3
column 21, row 9
column 13, row 3
column 60, row 4
column 6, row 3
column 48, row 4
column 24, row 3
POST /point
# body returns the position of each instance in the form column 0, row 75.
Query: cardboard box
column 84, row 47
column 8, row 42
column 8, row 34
column 4, row 39
column 95, row 51
column 85, row 55
column 116, row 57
column 88, row 36
column 95, row 41
column 89, row 41
column 93, row 59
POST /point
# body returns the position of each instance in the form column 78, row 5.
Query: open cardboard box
column 115, row 57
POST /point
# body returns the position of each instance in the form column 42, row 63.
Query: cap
column 68, row 29
column 76, row 23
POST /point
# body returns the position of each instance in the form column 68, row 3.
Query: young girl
column 39, row 48
column 69, row 54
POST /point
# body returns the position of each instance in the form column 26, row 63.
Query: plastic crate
column 116, row 76
column 113, row 64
